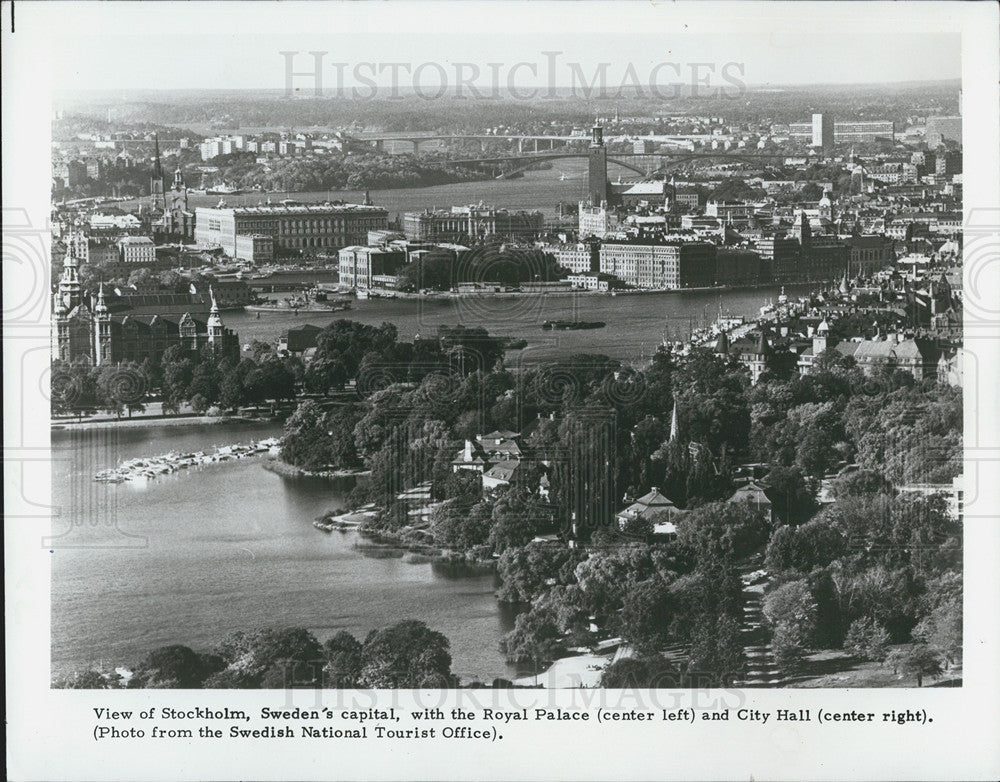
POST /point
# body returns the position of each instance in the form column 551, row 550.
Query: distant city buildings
column 940, row 129
column 822, row 132
column 596, row 221
column 291, row 226
column 819, row 129
column 471, row 223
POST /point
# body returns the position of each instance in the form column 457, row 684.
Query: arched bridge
column 526, row 161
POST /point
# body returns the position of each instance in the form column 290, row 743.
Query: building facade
column 84, row 329
column 666, row 266
column 471, row 222
column 362, row 268
column 292, row 227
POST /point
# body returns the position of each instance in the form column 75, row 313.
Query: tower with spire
column 215, row 327
column 179, row 193
column 102, row 330
column 156, row 178
column 69, row 285
column 760, row 360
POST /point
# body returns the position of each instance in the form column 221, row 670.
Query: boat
column 572, row 325
column 223, row 190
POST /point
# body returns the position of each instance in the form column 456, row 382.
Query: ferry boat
column 573, row 325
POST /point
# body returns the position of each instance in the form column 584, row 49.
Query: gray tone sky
column 151, row 45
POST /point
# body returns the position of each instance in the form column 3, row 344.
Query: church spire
column 69, row 285
column 100, row 308
column 157, row 168
column 673, row 423
column 156, row 178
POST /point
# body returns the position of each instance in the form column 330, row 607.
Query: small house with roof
column 652, row 506
column 754, row 494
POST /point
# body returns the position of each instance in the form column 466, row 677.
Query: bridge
column 528, row 160
column 537, row 141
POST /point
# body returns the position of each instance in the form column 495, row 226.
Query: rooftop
column 296, row 209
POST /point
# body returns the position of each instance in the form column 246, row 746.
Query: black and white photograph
column 502, row 360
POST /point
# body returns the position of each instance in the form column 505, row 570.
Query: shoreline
column 278, row 467
column 152, row 420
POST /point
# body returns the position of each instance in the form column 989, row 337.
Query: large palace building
column 305, row 227
column 85, row 330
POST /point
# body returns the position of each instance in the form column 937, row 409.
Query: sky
column 172, row 45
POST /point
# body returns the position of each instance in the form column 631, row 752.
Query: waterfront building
column 363, row 268
column 124, row 223
column 918, row 357
column 291, row 226
column 689, row 199
column 735, row 266
column 96, row 251
column 85, row 329
column 254, row 248
column 597, row 170
column 471, row 222
column 593, row 281
column 660, row 265
column 579, row 257
column 729, row 210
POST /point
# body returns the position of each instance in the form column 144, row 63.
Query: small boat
column 572, row 325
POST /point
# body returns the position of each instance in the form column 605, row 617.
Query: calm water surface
column 190, row 557
column 635, row 323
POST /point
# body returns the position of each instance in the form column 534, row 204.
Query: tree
column 791, row 611
column 344, row 660
column 206, row 380
column 723, row 529
column 404, row 656
column 716, row 656
column 860, row 482
column 711, row 402
column 791, row 498
column 325, row 375
column 941, row 630
column 174, row 667
column 535, row 638
column 917, row 660
column 121, row 387
column 868, row 639
column 82, row 680
column 647, row 614
column 815, row 544
column 460, row 524
column 526, row 572
column 517, row 518
column 269, row 658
